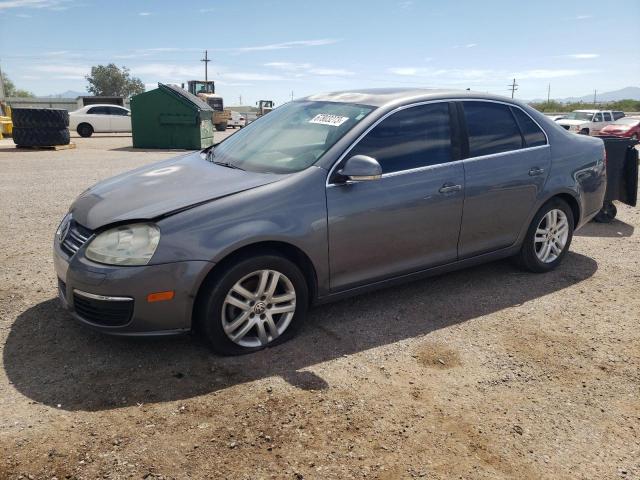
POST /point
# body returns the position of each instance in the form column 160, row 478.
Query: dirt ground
column 485, row 373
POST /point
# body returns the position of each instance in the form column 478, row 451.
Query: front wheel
column 256, row 303
column 548, row 238
column 85, row 130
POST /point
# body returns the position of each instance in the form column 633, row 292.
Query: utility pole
column 2, row 93
column 513, row 87
column 549, row 94
column 292, row 95
column 240, row 99
column 206, row 70
column 594, row 97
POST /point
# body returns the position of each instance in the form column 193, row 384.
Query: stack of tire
column 40, row 127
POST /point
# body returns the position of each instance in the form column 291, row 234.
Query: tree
column 10, row 89
column 109, row 80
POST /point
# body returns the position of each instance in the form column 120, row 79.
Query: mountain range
column 632, row 93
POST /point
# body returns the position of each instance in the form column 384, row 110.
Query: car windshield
column 290, row 138
column 580, row 116
column 627, row 121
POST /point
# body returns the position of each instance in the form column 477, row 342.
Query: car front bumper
column 114, row 299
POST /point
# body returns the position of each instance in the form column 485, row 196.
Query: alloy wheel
column 258, row 308
column 551, row 235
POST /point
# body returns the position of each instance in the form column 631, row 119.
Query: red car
column 624, row 127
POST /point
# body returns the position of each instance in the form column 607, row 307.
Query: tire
column 221, row 127
column 216, row 316
column 40, row 137
column 584, row 131
column 40, row 118
column 634, row 137
column 606, row 214
column 85, row 130
column 529, row 257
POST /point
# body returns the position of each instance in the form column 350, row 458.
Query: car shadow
column 616, row 228
column 54, row 361
column 132, row 149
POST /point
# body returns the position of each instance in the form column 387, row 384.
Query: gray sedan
column 322, row 198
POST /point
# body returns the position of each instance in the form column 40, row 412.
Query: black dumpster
column 622, row 175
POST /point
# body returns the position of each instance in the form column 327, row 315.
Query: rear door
column 409, row 219
column 507, row 163
column 120, row 119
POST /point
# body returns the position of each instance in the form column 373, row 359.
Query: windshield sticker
column 326, row 119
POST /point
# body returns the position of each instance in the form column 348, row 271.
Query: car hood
column 162, row 189
column 565, row 121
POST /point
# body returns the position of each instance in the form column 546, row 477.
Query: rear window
column 533, row 135
column 491, row 128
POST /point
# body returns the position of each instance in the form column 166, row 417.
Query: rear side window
column 533, row 135
column 618, row 115
column 412, row 138
column 607, row 116
column 117, row 111
column 491, row 128
column 98, row 111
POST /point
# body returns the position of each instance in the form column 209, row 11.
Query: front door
column 409, row 219
column 509, row 160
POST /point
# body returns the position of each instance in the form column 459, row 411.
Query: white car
column 587, row 122
column 236, row 120
column 100, row 118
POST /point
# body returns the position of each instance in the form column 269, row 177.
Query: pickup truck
column 589, row 122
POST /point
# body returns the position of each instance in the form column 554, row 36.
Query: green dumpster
column 170, row 117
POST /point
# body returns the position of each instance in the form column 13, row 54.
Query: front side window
column 607, row 117
column 491, row 128
column 597, row 117
column 533, row 135
column 290, row 138
column 411, row 138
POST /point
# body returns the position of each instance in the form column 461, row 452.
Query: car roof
column 380, row 97
column 104, row 105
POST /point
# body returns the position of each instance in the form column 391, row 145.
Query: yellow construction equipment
column 6, row 124
column 206, row 90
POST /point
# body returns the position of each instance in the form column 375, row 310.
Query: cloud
column 453, row 74
column 405, row 5
column 303, row 69
column 547, row 73
column 468, row 45
column 286, row 45
column 75, row 71
column 144, row 14
column 165, row 71
column 207, row 10
column 48, row 4
column 582, row 56
column 245, row 76
column 583, row 17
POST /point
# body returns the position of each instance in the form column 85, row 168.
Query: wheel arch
column 573, row 204
column 284, row 249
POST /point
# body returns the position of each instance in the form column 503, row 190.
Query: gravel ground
column 484, row 373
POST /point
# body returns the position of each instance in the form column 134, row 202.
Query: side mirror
column 361, row 168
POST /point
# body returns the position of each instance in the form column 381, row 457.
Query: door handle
column 449, row 188
column 536, row 171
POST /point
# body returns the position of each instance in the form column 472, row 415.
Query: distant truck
column 207, row 92
column 589, row 122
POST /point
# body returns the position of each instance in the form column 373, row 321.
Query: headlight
column 125, row 245
column 61, row 232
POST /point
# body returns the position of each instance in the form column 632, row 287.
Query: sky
column 276, row 49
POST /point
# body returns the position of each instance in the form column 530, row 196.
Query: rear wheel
column 85, row 130
column 634, row 137
column 221, row 127
column 256, row 303
column 548, row 238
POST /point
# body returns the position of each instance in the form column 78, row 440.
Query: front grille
column 566, row 127
column 109, row 313
column 76, row 237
